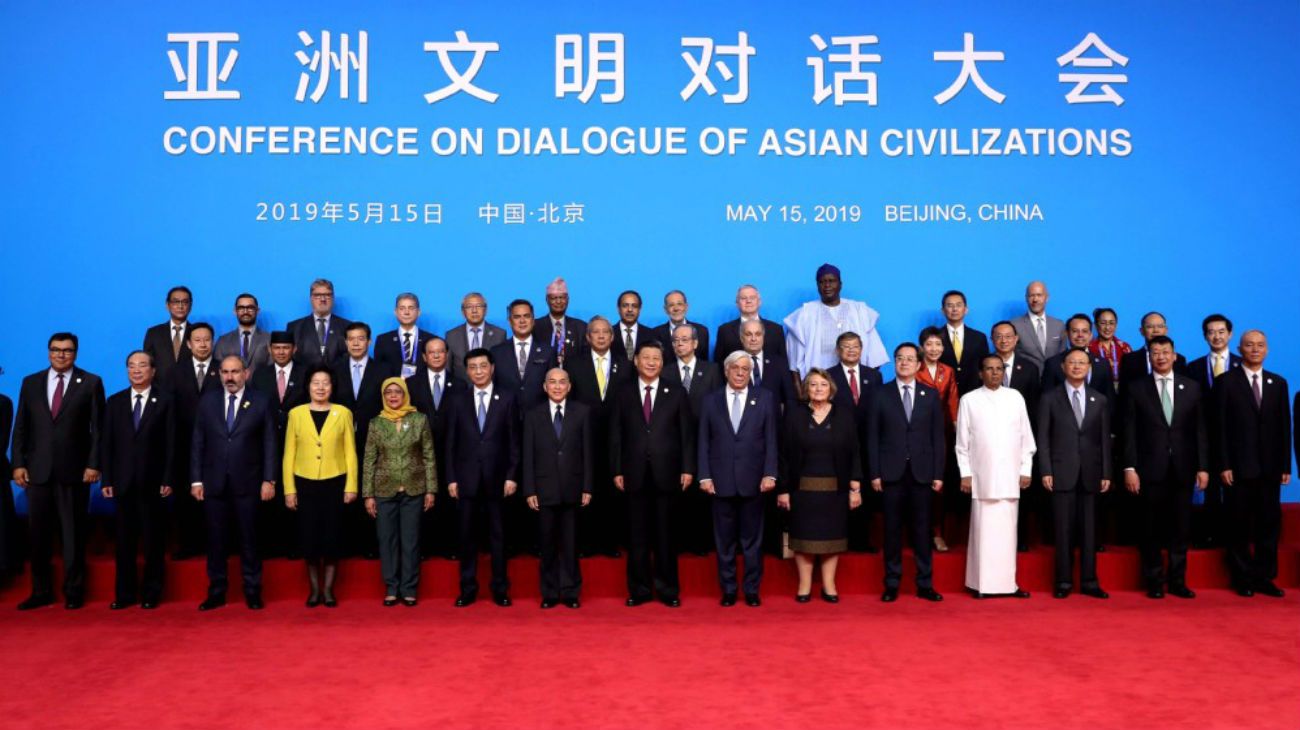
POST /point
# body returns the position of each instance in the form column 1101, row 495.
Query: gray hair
column 735, row 357
column 406, row 295
column 322, row 282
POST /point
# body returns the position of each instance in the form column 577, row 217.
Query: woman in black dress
column 821, row 480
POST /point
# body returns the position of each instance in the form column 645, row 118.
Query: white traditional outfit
column 995, row 447
column 811, row 331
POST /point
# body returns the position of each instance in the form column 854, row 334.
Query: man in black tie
column 168, row 342
column 281, row 381
column 137, row 450
column 557, row 480
column 905, row 441
column 319, row 336
column 963, row 347
column 399, row 349
column 432, row 387
column 247, row 340
column 195, row 375
column 748, row 302
column 596, row 376
column 232, row 468
column 482, row 471
column 1207, row 523
column 1023, row 377
column 1253, row 433
column 675, row 307
column 358, row 379
column 1166, row 452
column 855, row 384
column 652, row 457
column 566, row 334
column 698, row 377
column 56, row 457
column 1074, row 458
column 629, row 334
column 738, row 463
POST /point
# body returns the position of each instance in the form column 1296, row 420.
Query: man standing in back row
column 813, row 329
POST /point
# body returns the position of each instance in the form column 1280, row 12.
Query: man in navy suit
column 906, row 453
column 699, row 377
column 433, row 387
column 855, row 384
column 232, row 468
column 738, row 462
column 630, row 333
column 399, row 349
column 727, row 337
column 1207, row 523
column 566, row 334
column 482, row 471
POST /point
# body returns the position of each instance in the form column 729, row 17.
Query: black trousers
column 913, row 497
column 738, row 521
column 438, row 526
column 1254, row 526
column 602, row 525
column 1207, row 519
column 650, row 531
column 697, row 521
column 860, row 522
column 472, row 511
column 191, row 522
column 53, row 507
column 1074, row 517
column 225, row 513
column 1166, row 525
column 561, row 579
column 141, row 522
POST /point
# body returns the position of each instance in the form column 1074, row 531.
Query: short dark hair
column 60, row 336
column 133, row 353
column 1078, row 315
column 246, row 295
column 845, row 337
column 929, row 332
column 175, row 289
column 1072, row 348
column 432, row 338
column 952, row 293
column 624, row 293
column 480, row 352
column 991, row 356
column 996, row 325
column 195, row 327
column 519, row 303
column 1161, row 340
column 357, row 326
column 650, row 344
column 916, row 351
column 1216, row 317
column 1143, row 321
column 320, row 367
column 1096, row 313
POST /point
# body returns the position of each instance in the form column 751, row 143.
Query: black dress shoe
column 929, row 594
column 634, row 602
column 1156, row 593
column 35, row 602
column 1101, row 548
column 410, row 601
column 501, row 600
column 1181, row 592
column 872, row 549
column 1095, row 592
column 728, row 600
column 830, row 597
column 73, row 604
column 465, row 599
column 549, row 603
column 752, row 600
column 148, row 604
column 390, row 601
column 255, row 602
column 212, row 602
column 572, row 603
column 1244, row 592
column 313, row 600
column 1018, row 593
column 119, row 605
column 1269, row 588
column 1022, row 547
column 329, row 600
column 803, row 597
column 978, row 596
column 1061, row 593
column 671, row 602
column 889, row 596
column 615, row 553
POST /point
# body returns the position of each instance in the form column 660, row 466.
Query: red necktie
column 645, row 405
column 853, row 385
column 57, row 401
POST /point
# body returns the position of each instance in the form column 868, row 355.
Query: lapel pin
column 753, row 403
column 1092, row 400
column 920, row 392
column 245, row 406
column 153, row 400
column 665, row 389
column 496, row 396
column 1269, row 381
column 1180, row 386
column 79, row 380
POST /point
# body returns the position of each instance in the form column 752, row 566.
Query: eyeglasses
column 246, row 308
column 322, row 295
column 63, row 350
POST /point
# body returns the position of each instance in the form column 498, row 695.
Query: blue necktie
column 437, row 390
column 559, row 420
column 230, row 414
column 907, row 402
column 137, row 411
column 482, row 410
column 356, row 380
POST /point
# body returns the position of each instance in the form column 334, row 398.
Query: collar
column 143, row 393
column 352, row 363
column 654, row 384
column 1246, row 369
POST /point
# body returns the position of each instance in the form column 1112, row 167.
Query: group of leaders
column 613, row 434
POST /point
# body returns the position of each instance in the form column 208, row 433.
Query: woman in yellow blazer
column 320, row 476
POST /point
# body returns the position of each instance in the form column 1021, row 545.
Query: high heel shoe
column 803, row 597
column 827, row 597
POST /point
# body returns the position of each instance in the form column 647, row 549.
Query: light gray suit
column 258, row 353
column 458, row 344
column 1029, row 347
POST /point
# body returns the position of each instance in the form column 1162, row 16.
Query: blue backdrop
column 99, row 218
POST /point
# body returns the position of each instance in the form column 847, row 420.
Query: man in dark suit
column 1078, row 328
column 280, row 380
column 1041, row 335
column 698, row 377
column 1207, row 522
column 56, row 457
column 963, row 347
column 1074, row 459
column 905, row 441
column 476, row 332
column 1166, row 451
column 855, row 384
column 11, row 548
column 1253, row 433
column 1137, row 364
column 358, row 379
column 432, row 389
column 247, row 340
column 596, row 376
column 168, row 342
column 195, row 375
column 137, row 451
column 727, row 340
column 675, row 307
column 399, row 350
column 482, row 471
column 1022, row 376
column 557, row 477
column 232, row 468
column 567, row 335
column 652, row 457
column 770, row 372
column 630, row 333
column 738, row 464
column 319, row 337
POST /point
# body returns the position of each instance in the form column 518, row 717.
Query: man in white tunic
column 812, row 329
column 995, row 454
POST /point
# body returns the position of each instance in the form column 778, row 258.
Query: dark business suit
column 1254, row 441
column 737, row 460
column 1077, row 456
column 1207, row 522
column 182, row 384
column 665, row 334
column 479, row 463
column 277, row 529
column 158, row 342
column 366, row 403
column 11, row 550
column 1098, row 379
column 727, row 339
column 602, row 526
column 557, row 470
column 521, row 528
column 695, row 528
column 137, row 463
column 438, row 532
column 310, row 349
column 389, row 349
column 1026, row 379
column 1136, row 365
column 651, row 457
column 907, row 456
column 255, row 355
column 869, row 381
column 575, row 336
column 232, row 463
column 643, row 333
column 459, row 343
column 1166, row 454
column 56, row 449
column 974, row 346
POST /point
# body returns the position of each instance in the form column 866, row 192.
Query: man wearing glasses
column 475, row 333
column 169, row 342
column 248, row 342
column 320, row 337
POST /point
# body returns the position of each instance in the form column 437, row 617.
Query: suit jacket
column 1202, row 371
column 1254, row 441
column 388, row 349
column 869, row 382
column 1099, row 381
column 665, row 445
column 1153, row 446
column 295, row 390
column 458, row 344
column 528, row 388
column 422, row 398
column 737, row 460
column 308, row 341
column 158, row 342
column 1077, row 457
column 139, row 458
column 59, row 449
column 1028, row 347
column 1025, row 380
column 1135, row 366
column 558, row 469
column 727, row 339
column 775, row 373
column 239, row 460
column 575, row 335
column 369, row 401
column 320, row 455
column 706, row 377
column 480, row 463
column 895, row 444
column 845, row 444
column 643, row 333
column 183, row 387
column 585, row 387
column 974, row 347
column 259, row 343
column 665, row 335
column 6, row 430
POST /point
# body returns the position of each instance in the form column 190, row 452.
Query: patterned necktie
column 137, row 411
column 176, row 341
column 482, row 410
column 853, row 384
column 437, row 390
column 737, row 410
column 686, row 378
column 627, row 344
column 1218, row 365
column 600, row 375
column 280, row 384
column 56, row 403
column 523, row 358
column 758, row 374
column 1077, row 404
column 321, row 333
column 907, row 402
column 230, row 414
column 558, row 342
column 475, row 341
column 406, row 348
column 1166, row 401
column 646, row 405
column 956, row 344
column 559, row 420
column 1254, row 385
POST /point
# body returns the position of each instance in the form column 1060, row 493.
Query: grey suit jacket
column 258, row 353
column 458, row 344
column 1028, row 346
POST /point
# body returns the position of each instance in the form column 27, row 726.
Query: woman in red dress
column 1106, row 344
column 943, row 379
